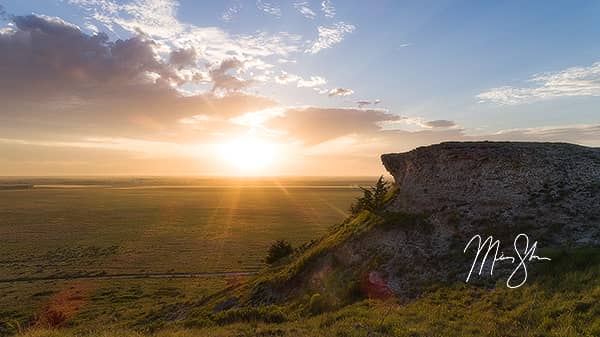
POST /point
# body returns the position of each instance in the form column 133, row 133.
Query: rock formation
column 537, row 185
column 444, row 195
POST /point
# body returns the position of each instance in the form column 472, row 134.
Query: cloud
column 287, row 78
column 328, row 9
column 269, row 8
column 314, row 125
column 183, row 57
column 571, row 82
column 55, row 78
column 586, row 134
column 304, row 9
column 49, row 54
column 157, row 19
column 152, row 17
column 363, row 103
column 439, row 124
column 224, row 76
column 340, row 92
column 330, row 35
column 313, row 81
column 231, row 11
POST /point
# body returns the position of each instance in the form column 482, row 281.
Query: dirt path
column 128, row 276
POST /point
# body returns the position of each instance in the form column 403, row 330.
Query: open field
column 563, row 301
column 70, row 231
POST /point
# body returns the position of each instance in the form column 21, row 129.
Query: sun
column 249, row 154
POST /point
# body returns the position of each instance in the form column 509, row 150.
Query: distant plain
column 71, row 231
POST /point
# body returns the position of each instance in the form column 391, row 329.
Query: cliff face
column 540, row 185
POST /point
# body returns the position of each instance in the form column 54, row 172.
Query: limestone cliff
column 444, row 195
column 540, row 185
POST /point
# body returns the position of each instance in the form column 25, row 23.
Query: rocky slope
column 444, row 195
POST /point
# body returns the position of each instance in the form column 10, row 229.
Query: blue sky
column 413, row 73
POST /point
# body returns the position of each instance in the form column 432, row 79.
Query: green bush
column 279, row 250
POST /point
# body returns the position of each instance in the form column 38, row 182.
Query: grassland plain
column 70, row 230
column 562, row 301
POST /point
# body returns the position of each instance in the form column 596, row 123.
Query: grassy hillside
column 562, row 301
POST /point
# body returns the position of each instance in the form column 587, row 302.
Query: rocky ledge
column 536, row 185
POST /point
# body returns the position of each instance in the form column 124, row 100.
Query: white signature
column 525, row 255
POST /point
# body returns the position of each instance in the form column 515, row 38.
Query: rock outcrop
column 539, row 186
column 444, row 195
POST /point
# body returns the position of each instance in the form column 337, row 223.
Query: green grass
column 49, row 232
column 561, row 298
column 177, row 226
column 561, row 301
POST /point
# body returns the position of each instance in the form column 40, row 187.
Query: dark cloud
column 48, row 55
column 224, row 76
column 440, row 123
column 363, row 103
column 315, row 125
column 183, row 58
column 52, row 75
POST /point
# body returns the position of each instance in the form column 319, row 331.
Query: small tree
column 278, row 250
column 373, row 197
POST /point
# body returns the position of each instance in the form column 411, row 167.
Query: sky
column 204, row 88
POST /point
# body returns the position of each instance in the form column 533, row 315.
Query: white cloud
column 571, row 82
column 269, row 8
column 328, row 9
column 340, row 92
column 313, row 81
column 304, row 9
column 287, row 78
column 231, row 11
column 157, row 19
column 153, row 17
column 330, row 35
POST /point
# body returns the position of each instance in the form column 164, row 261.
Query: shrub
column 373, row 197
column 279, row 250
